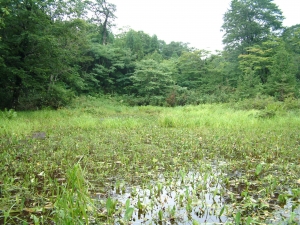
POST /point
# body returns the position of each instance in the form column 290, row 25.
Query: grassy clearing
column 54, row 163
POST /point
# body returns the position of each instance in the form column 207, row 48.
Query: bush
column 178, row 96
column 266, row 113
column 171, row 99
column 132, row 100
column 291, row 103
column 9, row 114
column 57, row 97
column 260, row 102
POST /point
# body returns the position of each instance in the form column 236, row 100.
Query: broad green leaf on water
column 35, row 219
column 249, row 220
column 282, row 198
column 195, row 222
column 140, row 206
column 127, row 204
column 238, row 218
column 110, row 206
column 292, row 217
column 258, row 169
column 222, row 211
column 160, row 215
column 128, row 213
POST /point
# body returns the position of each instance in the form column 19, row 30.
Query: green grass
column 105, row 143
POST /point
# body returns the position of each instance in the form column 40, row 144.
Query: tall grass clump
column 167, row 121
column 73, row 204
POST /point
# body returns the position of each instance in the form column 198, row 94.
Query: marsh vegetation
column 105, row 128
column 101, row 162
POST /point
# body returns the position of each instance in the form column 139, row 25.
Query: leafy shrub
column 178, row 96
column 260, row 102
column 171, row 99
column 9, row 114
column 268, row 105
column 139, row 101
column 157, row 100
column 291, row 103
column 57, row 97
column 266, row 113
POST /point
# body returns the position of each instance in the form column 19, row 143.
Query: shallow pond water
column 286, row 215
column 190, row 197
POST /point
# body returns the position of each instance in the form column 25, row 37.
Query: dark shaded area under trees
column 52, row 51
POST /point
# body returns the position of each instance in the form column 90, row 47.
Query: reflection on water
column 190, row 197
column 286, row 215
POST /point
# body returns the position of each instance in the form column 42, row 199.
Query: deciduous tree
column 152, row 79
column 103, row 16
column 249, row 22
column 192, row 68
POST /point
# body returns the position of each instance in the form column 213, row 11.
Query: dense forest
column 54, row 50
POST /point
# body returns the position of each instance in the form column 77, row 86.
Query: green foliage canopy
column 151, row 78
column 250, row 22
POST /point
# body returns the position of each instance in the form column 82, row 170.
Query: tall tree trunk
column 104, row 30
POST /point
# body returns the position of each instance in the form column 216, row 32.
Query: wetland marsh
column 101, row 162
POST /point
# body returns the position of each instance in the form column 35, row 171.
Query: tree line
column 54, row 50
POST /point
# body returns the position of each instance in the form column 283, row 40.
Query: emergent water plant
column 243, row 163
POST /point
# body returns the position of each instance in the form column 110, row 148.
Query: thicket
column 53, row 51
